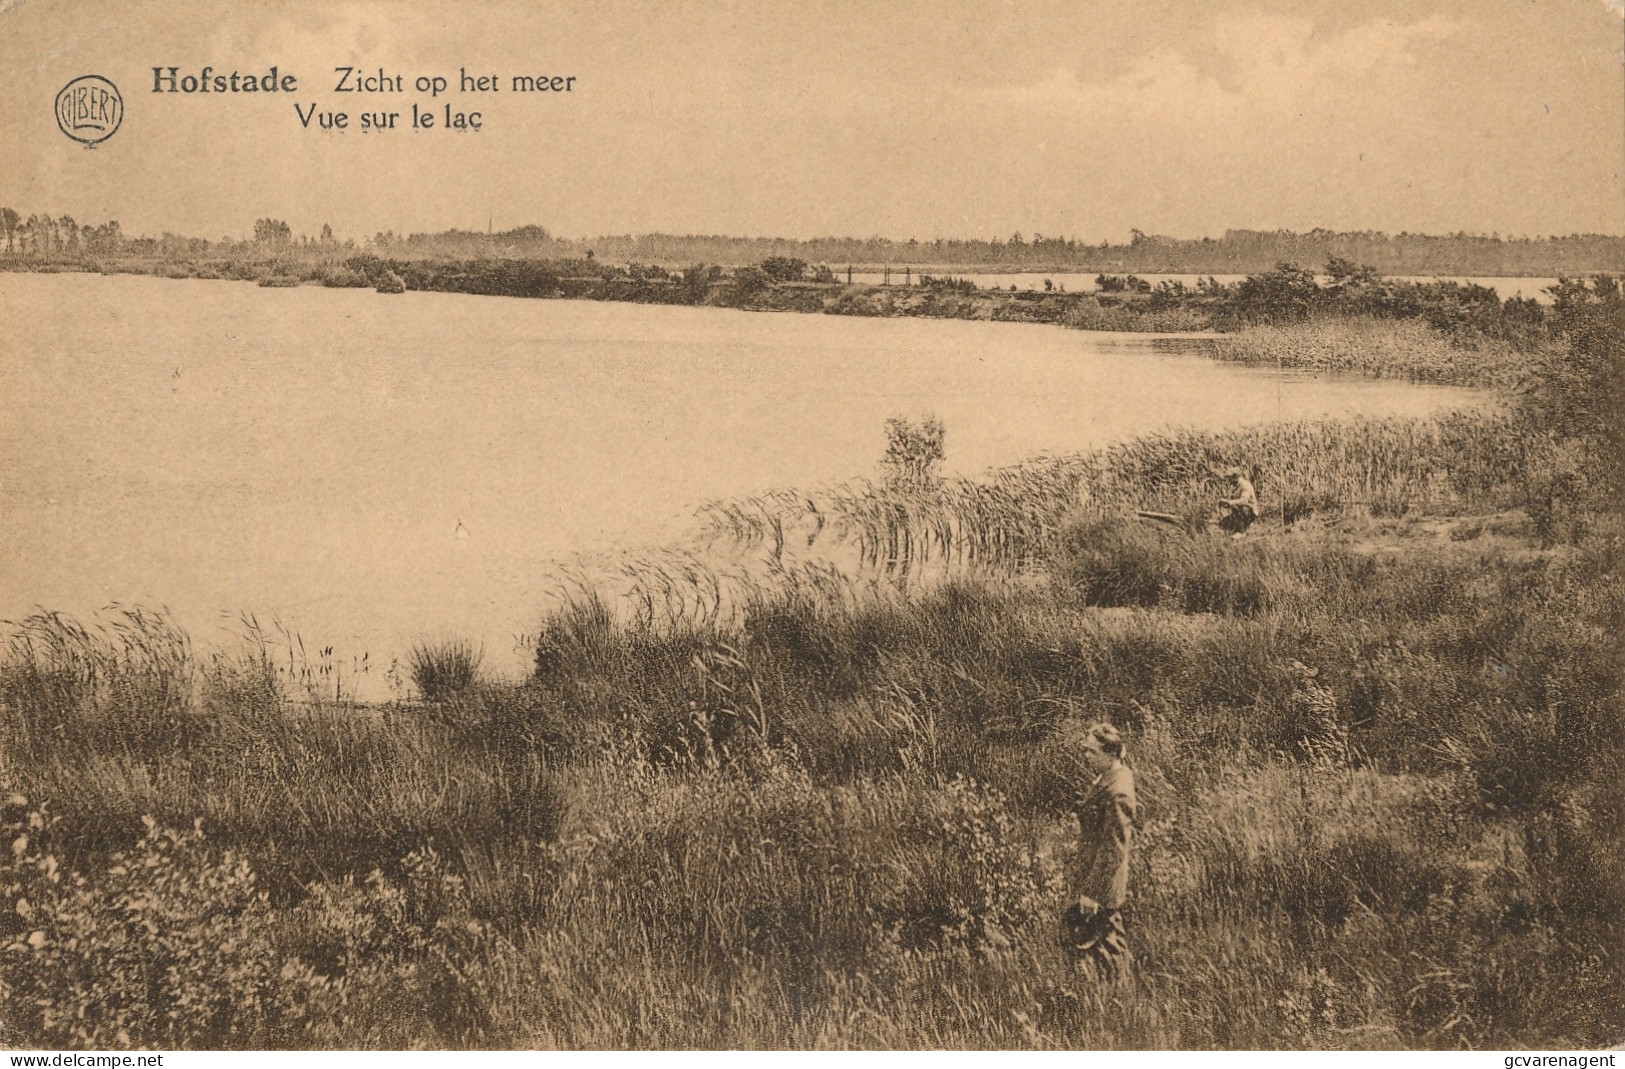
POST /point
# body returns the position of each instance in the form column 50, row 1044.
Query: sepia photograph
column 976, row 525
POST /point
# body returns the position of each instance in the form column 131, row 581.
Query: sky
column 809, row 118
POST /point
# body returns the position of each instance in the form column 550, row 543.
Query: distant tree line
column 1238, row 252
column 1290, row 293
column 56, row 236
column 62, row 238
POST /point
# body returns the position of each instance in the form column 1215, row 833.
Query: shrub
column 914, row 451
column 120, row 685
column 1112, row 560
column 172, row 944
column 337, row 276
column 748, row 282
column 784, row 268
column 167, row 946
column 444, row 669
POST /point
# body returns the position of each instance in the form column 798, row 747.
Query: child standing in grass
column 1092, row 933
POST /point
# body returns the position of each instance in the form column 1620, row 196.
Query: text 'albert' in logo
column 89, row 109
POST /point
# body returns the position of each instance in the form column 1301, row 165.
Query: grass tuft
column 444, row 669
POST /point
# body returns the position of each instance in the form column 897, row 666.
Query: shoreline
column 1381, row 725
column 652, row 768
column 831, row 298
column 1279, row 318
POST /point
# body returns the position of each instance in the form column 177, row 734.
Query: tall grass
column 838, row 826
column 119, row 685
column 444, row 669
column 1404, row 348
column 1010, row 517
column 1091, row 313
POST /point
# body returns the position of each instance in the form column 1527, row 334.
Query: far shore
column 1344, row 318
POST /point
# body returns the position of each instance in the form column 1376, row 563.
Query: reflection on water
column 372, row 469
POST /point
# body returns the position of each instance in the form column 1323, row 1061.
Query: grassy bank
column 1408, row 349
column 1377, row 739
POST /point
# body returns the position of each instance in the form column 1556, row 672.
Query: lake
column 372, row 470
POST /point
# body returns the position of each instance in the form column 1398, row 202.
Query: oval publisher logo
column 89, row 109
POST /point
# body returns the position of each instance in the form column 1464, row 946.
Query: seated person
column 1237, row 512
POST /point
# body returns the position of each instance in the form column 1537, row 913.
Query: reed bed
column 1009, row 518
column 1378, row 348
column 1090, row 313
column 852, row 832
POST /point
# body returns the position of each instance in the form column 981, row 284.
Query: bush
column 1112, row 560
column 914, row 451
column 1576, row 394
column 167, row 946
column 173, row 945
column 444, row 669
column 336, row 276
column 960, row 874
column 748, row 282
column 784, row 268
